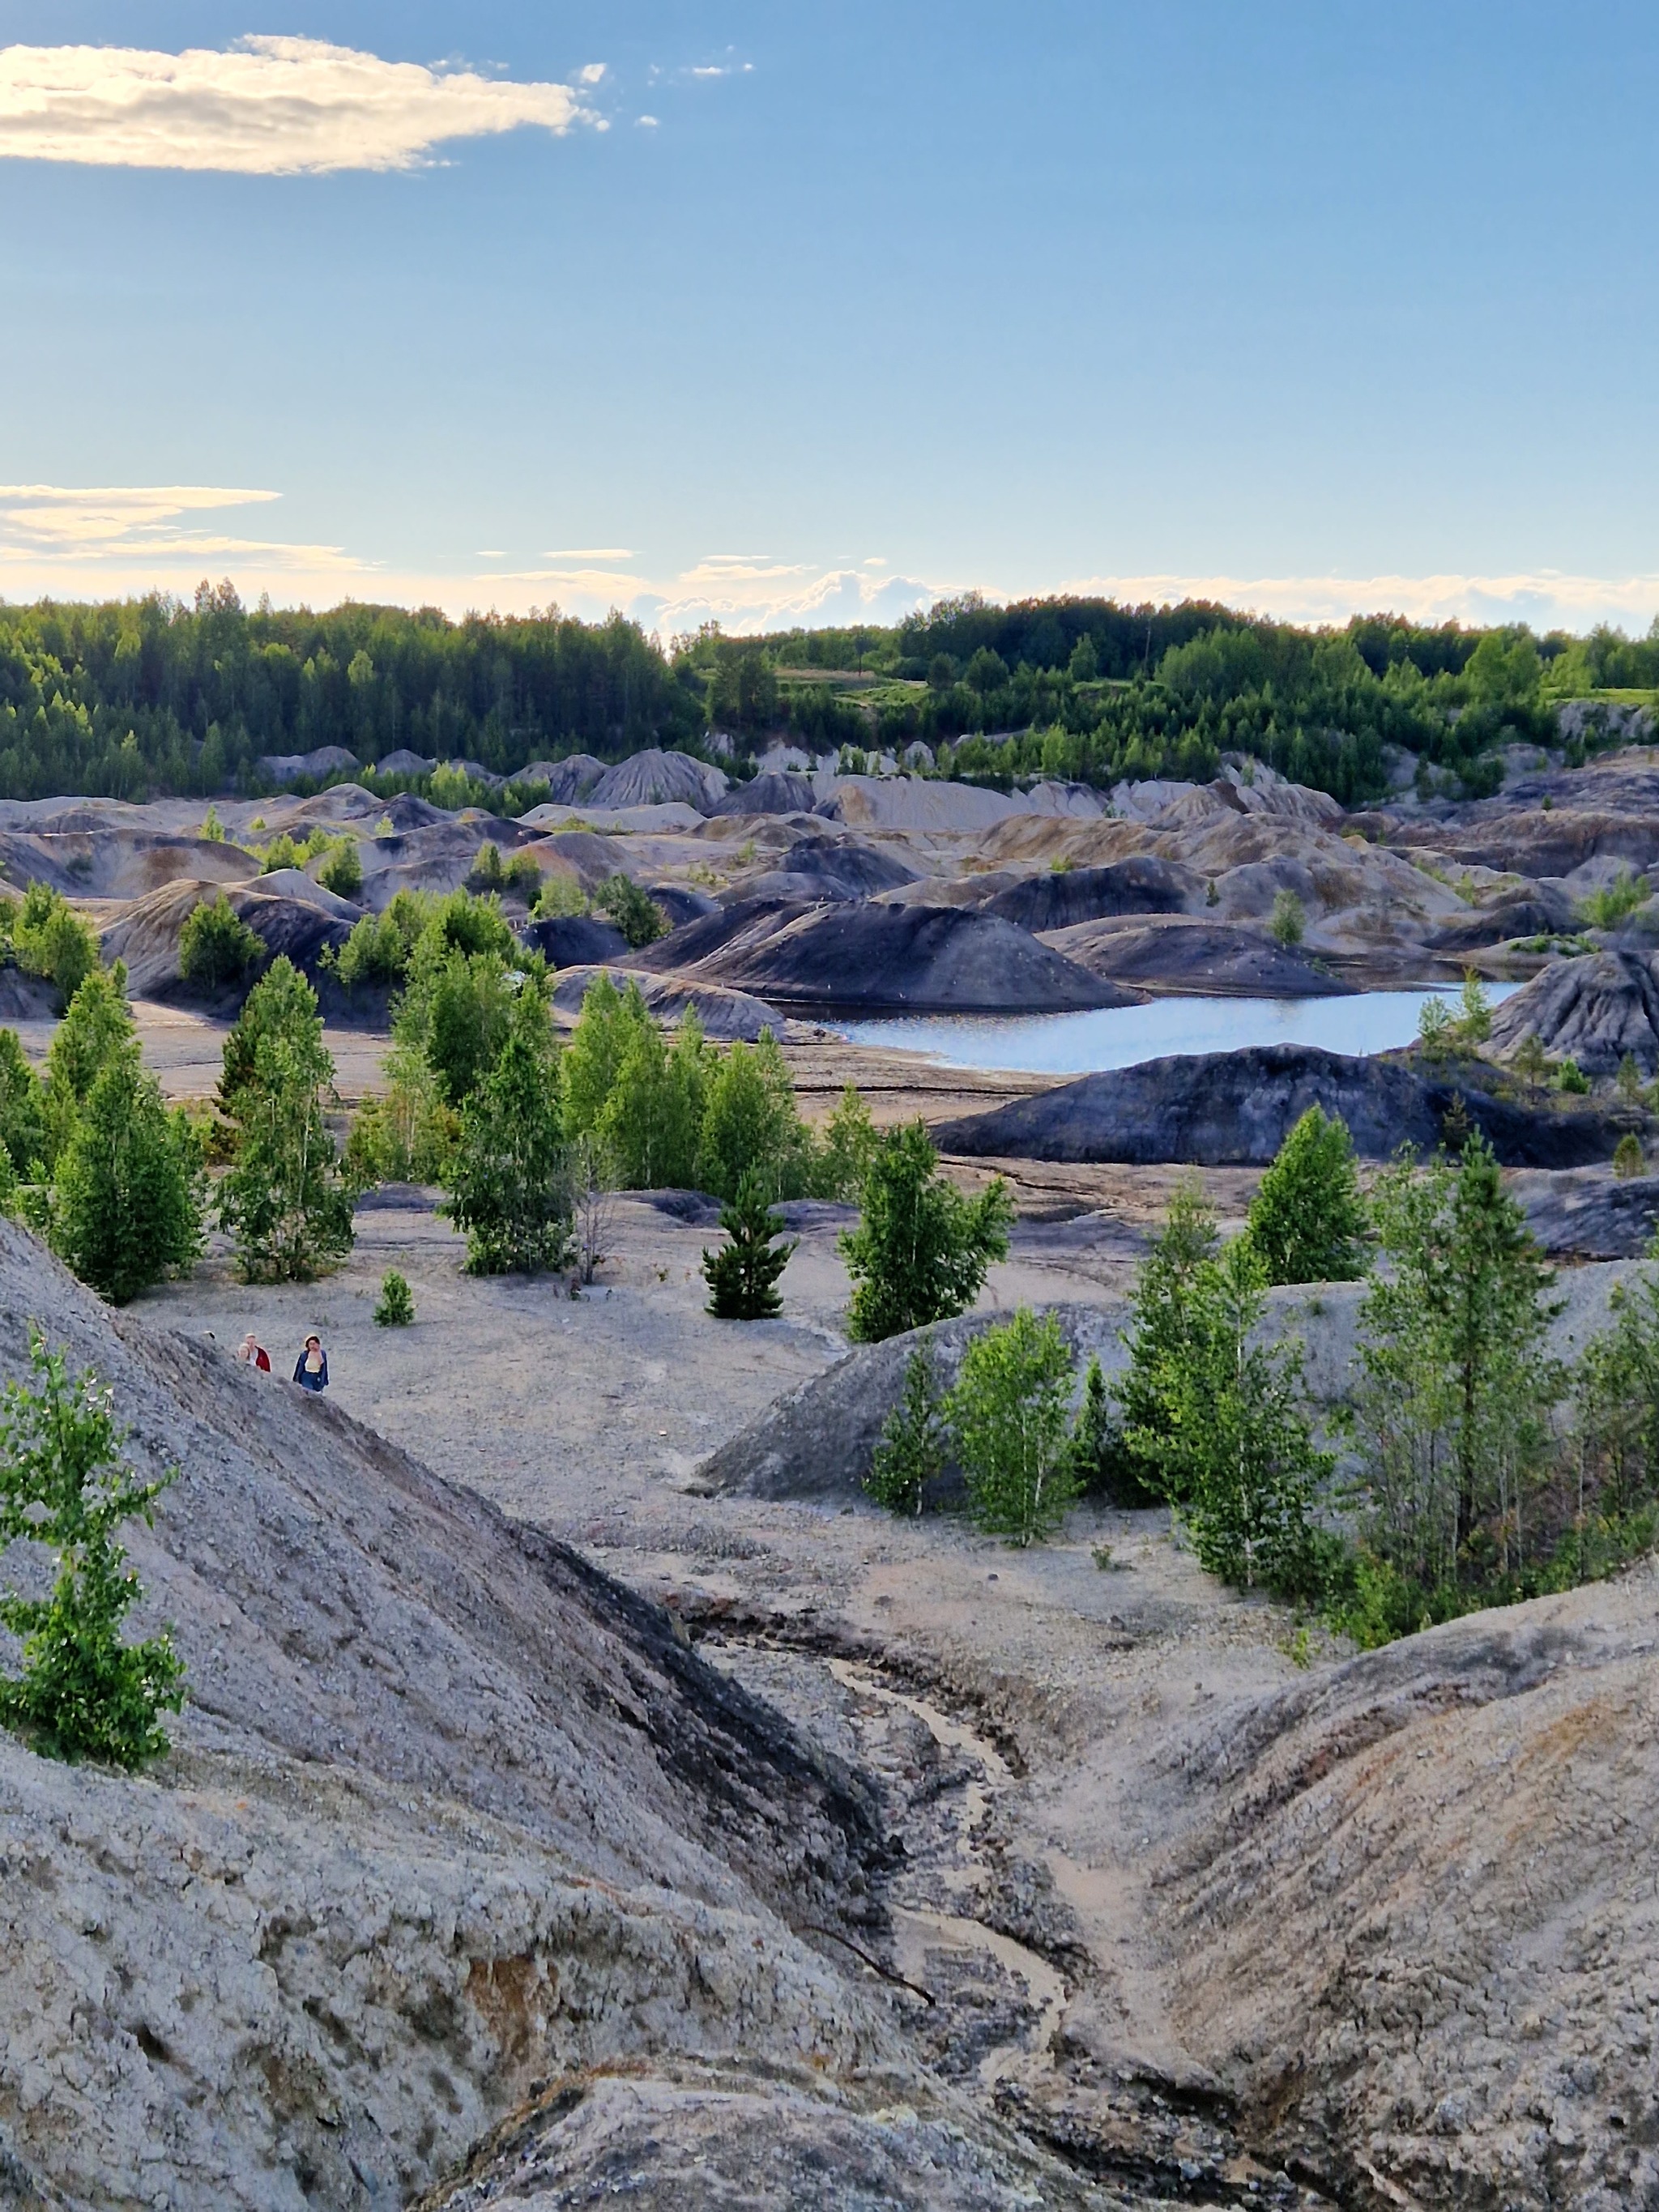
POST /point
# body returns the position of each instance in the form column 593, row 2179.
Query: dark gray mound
column 1140, row 884
column 27, row 997
column 575, row 940
column 1541, row 912
column 403, row 761
column 681, row 905
column 1585, row 1214
column 839, row 868
column 301, row 924
column 655, row 778
column 289, row 768
column 775, row 792
column 908, row 958
column 1236, row 1108
column 1594, row 1009
column 567, row 781
column 710, row 934
column 437, row 855
column 1182, row 953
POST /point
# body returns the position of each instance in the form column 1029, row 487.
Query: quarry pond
column 1123, row 1037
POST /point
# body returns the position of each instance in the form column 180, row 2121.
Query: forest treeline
column 139, row 698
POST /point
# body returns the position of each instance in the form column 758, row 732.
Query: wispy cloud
column 266, row 106
column 1547, row 597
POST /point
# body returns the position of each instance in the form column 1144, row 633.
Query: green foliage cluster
column 1009, row 1416
column 909, row 1453
column 1609, row 904
column 518, row 873
column 1308, row 1222
column 396, row 1307
column 284, row 1199
column 509, row 1180
column 81, row 1692
column 378, row 951
column 216, row 945
column 922, row 1249
column 139, row 697
column 50, row 939
column 634, row 912
column 742, row 1274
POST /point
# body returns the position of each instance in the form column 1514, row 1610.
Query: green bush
column 1607, row 906
column 847, row 1149
column 509, row 1181
column 1288, row 923
column 126, row 1202
column 408, row 1134
column 1628, row 1158
column 283, row 1201
column 51, row 940
column 750, row 1125
column 216, row 945
column 634, row 912
column 921, row 1250
column 651, row 1122
column 397, row 1307
column 381, row 945
column 1572, row 1079
column 1009, row 1415
column 1307, row 1222
column 97, row 1028
column 342, row 872
column 743, row 1275
column 83, row 1693
column 911, row 1451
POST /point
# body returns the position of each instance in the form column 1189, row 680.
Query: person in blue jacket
column 311, row 1368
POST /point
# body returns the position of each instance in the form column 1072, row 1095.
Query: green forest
column 140, row 698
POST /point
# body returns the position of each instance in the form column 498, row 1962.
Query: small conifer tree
column 1628, row 1160
column 743, row 1275
column 83, row 1693
column 910, row 1452
column 397, row 1307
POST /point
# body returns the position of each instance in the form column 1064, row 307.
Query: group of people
column 310, row 1369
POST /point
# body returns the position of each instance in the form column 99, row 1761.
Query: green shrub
column 743, row 1275
column 1307, row 1222
column 560, row 897
column 83, row 1693
column 911, row 1451
column 1607, row 906
column 509, row 1181
column 921, row 1250
column 1572, row 1079
column 216, row 945
column 408, row 1134
column 96, row 1028
column 397, row 1307
column 1288, row 922
column 637, row 915
column 650, row 1123
column 1009, row 1415
column 126, row 1202
column 1628, row 1158
column 845, row 1150
column 342, row 872
column 51, row 940
column 381, row 945
column 750, row 1125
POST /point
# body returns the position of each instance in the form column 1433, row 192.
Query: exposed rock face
column 449, row 1812
column 1594, row 1009
column 1059, row 898
column 916, row 958
column 291, row 914
column 1584, row 1213
column 1187, row 953
column 289, row 768
column 1221, row 1108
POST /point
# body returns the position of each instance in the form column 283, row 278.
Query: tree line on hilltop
column 136, row 698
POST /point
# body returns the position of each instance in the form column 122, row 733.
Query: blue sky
column 1317, row 307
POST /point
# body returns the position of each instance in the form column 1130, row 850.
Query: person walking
column 254, row 1353
column 311, row 1368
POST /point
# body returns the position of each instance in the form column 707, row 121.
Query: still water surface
column 1120, row 1036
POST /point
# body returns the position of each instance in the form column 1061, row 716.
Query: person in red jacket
column 255, row 1353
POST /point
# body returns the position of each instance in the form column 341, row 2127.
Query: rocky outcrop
column 450, row 1812
column 1594, row 1010
column 1236, row 1108
column 911, row 957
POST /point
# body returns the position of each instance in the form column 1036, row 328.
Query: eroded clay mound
column 830, row 868
column 1065, row 896
column 1415, row 1910
column 775, row 791
column 725, row 1015
column 450, row 1812
column 655, row 778
column 903, row 958
column 1187, row 953
column 289, row 914
column 116, row 863
column 1594, row 1009
column 1236, row 1108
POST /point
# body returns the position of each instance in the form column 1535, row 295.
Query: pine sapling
column 743, row 1275
column 910, row 1453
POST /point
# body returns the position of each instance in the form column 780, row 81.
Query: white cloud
column 591, row 553
column 1548, row 599
column 646, row 122
column 267, row 107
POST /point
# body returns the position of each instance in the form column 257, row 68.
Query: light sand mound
column 910, row 958
column 450, row 1812
column 725, row 1015
column 1594, row 1009
column 1180, row 952
column 116, row 863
